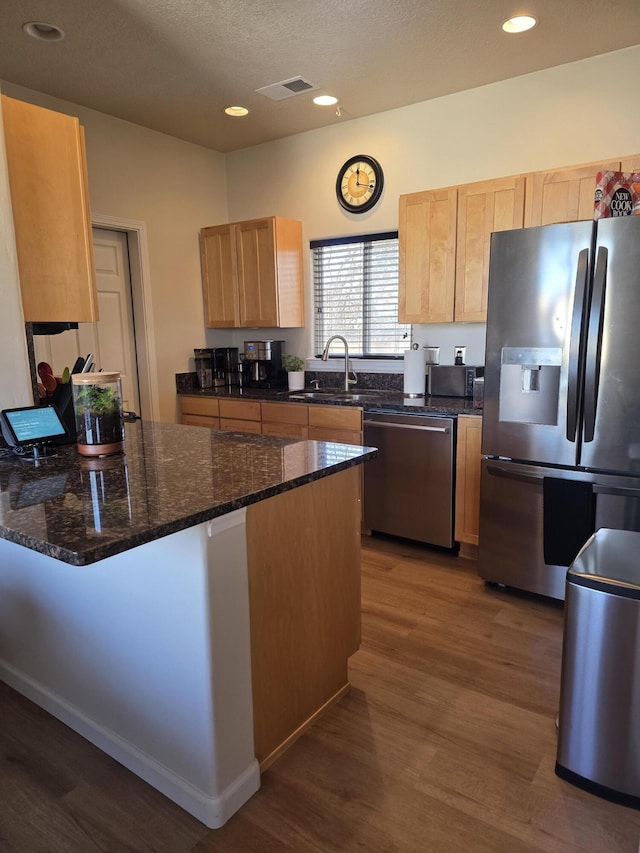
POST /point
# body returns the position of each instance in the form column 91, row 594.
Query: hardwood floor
column 445, row 743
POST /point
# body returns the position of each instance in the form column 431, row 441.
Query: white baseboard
column 212, row 811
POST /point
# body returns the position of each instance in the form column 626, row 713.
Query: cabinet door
column 285, row 413
column 257, row 284
column 219, row 277
column 563, row 195
column 289, row 272
column 482, row 208
column 46, row 164
column 468, row 459
column 200, row 420
column 631, row 164
column 207, row 406
column 427, row 242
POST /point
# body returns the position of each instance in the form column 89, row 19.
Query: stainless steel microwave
column 453, row 380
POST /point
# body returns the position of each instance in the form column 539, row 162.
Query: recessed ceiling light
column 519, row 24
column 42, row 31
column 325, row 100
column 236, row 111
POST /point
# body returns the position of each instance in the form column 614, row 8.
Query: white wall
column 571, row 114
column 175, row 188
column 15, row 382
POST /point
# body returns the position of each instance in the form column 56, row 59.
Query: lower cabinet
column 335, row 423
column 468, row 457
column 287, row 420
column 200, row 411
column 240, row 415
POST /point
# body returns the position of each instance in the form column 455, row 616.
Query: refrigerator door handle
column 617, row 491
column 594, row 343
column 512, row 475
column 576, row 345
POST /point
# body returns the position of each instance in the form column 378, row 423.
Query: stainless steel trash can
column 599, row 719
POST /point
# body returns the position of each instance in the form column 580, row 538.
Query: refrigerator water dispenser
column 530, row 384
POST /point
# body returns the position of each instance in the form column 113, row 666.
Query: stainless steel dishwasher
column 408, row 488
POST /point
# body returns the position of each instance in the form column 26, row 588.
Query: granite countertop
column 390, row 401
column 170, row 477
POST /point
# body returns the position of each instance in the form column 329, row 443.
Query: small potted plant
column 97, row 401
column 294, row 365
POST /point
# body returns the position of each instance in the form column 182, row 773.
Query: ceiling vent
column 287, row 88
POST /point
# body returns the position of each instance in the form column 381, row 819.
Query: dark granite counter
column 390, row 401
column 170, row 477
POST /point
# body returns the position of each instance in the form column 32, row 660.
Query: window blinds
column 356, row 295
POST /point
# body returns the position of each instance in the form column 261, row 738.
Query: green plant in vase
column 292, row 363
column 98, row 410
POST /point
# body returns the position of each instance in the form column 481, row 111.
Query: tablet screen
column 31, row 425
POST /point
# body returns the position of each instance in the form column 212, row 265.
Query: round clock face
column 359, row 183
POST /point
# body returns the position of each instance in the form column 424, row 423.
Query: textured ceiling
column 173, row 65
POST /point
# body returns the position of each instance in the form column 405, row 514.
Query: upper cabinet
column 219, row 276
column 630, row 164
column 483, row 207
column 563, row 195
column 445, row 237
column 252, row 273
column 427, row 246
column 46, row 164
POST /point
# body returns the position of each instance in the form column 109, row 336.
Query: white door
column 112, row 339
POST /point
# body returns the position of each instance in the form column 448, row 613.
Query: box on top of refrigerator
column 617, row 194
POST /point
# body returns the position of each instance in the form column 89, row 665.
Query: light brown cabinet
column 200, row 411
column 468, row 459
column 335, row 423
column 483, row 207
column 427, row 256
column 630, row 164
column 303, row 556
column 287, row 420
column 46, row 163
column 252, row 273
column 563, row 195
column 240, row 415
column 444, row 238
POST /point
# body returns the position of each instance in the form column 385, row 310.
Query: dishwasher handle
column 387, row 425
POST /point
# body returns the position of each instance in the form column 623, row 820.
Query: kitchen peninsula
column 190, row 605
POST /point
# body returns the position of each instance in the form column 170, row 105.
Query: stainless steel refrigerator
column 561, row 425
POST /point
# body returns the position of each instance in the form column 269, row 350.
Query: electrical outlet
column 459, row 355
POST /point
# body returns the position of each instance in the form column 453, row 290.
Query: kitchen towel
column 414, row 372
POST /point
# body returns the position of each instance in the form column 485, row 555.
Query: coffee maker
column 226, row 362
column 263, row 364
column 205, row 368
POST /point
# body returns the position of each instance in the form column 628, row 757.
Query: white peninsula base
column 147, row 655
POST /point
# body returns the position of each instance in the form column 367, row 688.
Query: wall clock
column 359, row 183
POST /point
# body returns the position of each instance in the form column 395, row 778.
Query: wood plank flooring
column 446, row 743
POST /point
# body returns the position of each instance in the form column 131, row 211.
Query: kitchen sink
column 355, row 397
column 335, row 394
column 312, row 395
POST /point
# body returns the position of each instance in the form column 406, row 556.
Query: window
column 356, row 295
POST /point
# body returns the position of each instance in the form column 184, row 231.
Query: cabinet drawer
column 199, row 406
column 200, row 420
column 335, row 416
column 343, row 436
column 285, row 430
column 285, row 413
column 247, row 410
column 236, row 425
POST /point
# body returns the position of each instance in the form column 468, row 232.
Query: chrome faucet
column 347, row 370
